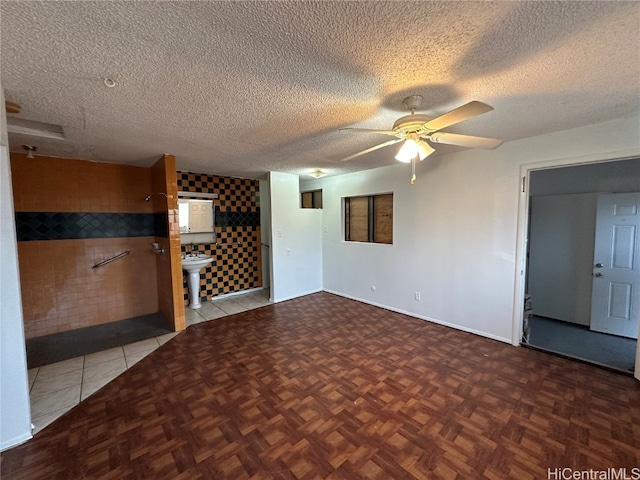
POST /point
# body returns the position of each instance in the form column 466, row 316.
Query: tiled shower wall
column 237, row 262
column 167, row 229
column 70, row 215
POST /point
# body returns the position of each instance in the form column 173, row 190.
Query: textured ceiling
column 242, row 88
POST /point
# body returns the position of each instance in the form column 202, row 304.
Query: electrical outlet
column 288, row 251
column 416, row 296
column 326, row 229
column 279, row 233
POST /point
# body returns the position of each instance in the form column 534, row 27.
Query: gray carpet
column 84, row 341
column 580, row 342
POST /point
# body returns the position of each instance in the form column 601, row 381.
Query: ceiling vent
column 35, row 129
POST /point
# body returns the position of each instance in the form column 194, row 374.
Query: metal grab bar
column 109, row 260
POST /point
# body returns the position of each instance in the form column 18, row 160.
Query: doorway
column 560, row 262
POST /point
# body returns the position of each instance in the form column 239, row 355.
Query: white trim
column 636, row 372
column 14, row 442
column 422, row 317
column 235, row 294
column 523, row 208
column 295, row 296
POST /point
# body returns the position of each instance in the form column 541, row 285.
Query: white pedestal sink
column 193, row 265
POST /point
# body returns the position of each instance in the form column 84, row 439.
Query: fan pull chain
column 413, row 170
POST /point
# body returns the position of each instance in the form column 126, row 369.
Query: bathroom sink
column 192, row 265
column 195, row 264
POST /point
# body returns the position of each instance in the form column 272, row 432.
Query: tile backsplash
column 237, row 257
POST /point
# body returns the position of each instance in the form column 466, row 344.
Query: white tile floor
column 57, row 388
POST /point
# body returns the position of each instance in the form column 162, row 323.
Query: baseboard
column 274, row 300
column 423, row 317
column 234, row 294
column 14, row 442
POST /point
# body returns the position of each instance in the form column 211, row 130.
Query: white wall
column 444, row 238
column 15, row 415
column 561, row 245
column 296, row 241
column 265, row 231
column 455, row 230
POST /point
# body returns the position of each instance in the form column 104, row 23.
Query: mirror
column 195, row 216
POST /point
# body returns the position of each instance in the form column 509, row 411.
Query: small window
column 312, row 199
column 369, row 218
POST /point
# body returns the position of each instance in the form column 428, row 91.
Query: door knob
column 598, row 275
column 599, row 265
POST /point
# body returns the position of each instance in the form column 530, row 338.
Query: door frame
column 523, row 224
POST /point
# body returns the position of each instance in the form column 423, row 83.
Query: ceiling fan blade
column 465, row 140
column 458, row 115
column 368, row 150
column 368, row 130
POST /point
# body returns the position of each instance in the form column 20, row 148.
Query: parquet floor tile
column 323, row 387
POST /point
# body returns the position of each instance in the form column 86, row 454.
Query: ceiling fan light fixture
column 411, row 148
column 408, row 151
column 414, row 146
column 424, row 149
column 418, row 131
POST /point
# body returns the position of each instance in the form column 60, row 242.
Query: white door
column 615, row 294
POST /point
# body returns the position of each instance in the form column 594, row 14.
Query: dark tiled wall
column 68, row 226
column 164, row 179
column 237, row 251
column 237, row 219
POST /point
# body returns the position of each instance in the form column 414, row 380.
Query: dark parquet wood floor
column 322, row 387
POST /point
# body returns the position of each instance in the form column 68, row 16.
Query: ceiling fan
column 417, row 131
